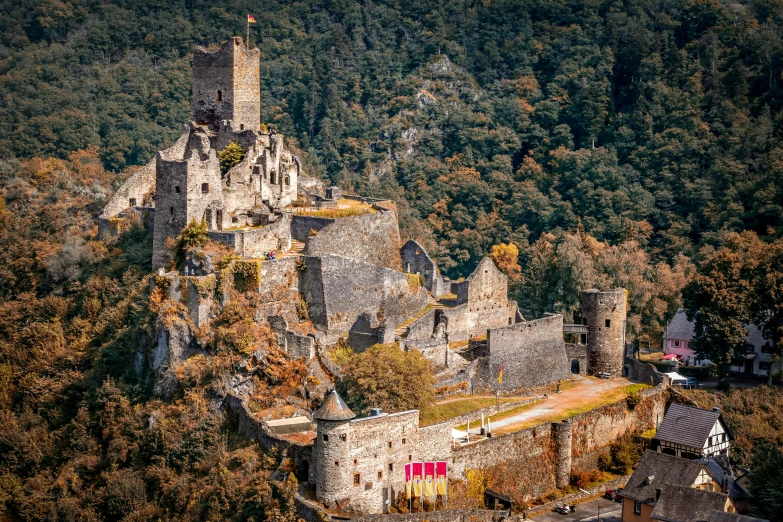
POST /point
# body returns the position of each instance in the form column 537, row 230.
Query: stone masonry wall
column 605, row 315
column 532, row 354
column 372, row 237
column 340, row 290
column 577, row 353
column 365, row 459
column 301, row 226
column 415, row 260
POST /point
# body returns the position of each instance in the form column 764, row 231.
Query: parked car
column 614, row 495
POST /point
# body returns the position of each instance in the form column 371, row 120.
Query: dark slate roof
column 688, row 425
column 684, row 504
column 656, row 470
column 680, row 328
column 721, row 516
column 719, row 466
column 333, row 409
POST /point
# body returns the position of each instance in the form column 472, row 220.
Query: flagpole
column 247, row 40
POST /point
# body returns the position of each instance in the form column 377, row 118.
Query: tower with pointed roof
column 334, row 473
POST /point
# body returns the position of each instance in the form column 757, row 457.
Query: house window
column 357, row 479
column 380, row 475
column 391, row 466
column 749, row 348
column 637, row 507
column 607, row 322
column 677, row 344
column 326, row 437
column 204, row 188
column 176, row 189
column 132, row 202
column 220, row 96
column 764, row 365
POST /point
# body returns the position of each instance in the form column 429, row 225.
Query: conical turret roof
column 333, row 409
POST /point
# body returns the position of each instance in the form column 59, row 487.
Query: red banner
column 408, row 478
column 417, row 474
column 441, row 472
column 429, row 479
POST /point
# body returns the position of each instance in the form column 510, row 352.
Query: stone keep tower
column 227, row 86
column 334, row 473
column 604, row 314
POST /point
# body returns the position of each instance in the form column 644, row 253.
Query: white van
column 675, row 379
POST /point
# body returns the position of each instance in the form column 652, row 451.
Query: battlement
column 227, row 85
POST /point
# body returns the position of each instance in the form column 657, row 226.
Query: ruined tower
column 227, row 86
column 604, row 314
column 334, row 473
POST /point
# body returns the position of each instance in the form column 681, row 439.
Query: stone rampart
column 256, row 429
column 434, row 350
column 373, row 238
column 279, row 280
column 303, row 226
column 532, row 354
column 643, row 372
column 296, row 345
column 466, row 321
column 526, row 460
column 345, row 293
column 422, row 328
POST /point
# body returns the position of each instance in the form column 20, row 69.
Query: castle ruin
column 356, row 281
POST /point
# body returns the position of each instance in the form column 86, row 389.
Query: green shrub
column 231, row 155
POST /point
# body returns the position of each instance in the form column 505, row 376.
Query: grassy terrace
column 456, row 406
column 344, row 208
column 503, row 415
column 576, row 409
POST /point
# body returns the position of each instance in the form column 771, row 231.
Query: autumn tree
column 231, row 155
column 506, row 257
column 717, row 300
column 384, row 376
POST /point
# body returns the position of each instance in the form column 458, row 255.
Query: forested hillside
column 615, row 143
column 489, row 121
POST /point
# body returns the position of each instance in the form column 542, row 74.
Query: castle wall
column 296, row 345
column 422, row 328
column 434, row 350
column 372, row 237
column 474, row 319
column 577, row 356
column 532, row 354
column 256, row 242
column 339, row 290
column 140, row 184
column 301, row 226
column 415, row 260
column 367, row 465
column 604, row 313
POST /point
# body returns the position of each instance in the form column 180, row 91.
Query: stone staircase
column 294, row 251
column 401, row 332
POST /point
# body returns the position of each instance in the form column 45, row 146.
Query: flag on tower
column 250, row 19
column 500, row 375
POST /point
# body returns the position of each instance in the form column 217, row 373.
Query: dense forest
column 612, row 142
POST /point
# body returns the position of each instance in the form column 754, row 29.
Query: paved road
column 610, row 512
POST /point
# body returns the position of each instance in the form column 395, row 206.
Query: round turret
column 334, row 474
column 604, row 314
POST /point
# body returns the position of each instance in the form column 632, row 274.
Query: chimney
column 716, row 409
column 375, row 412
